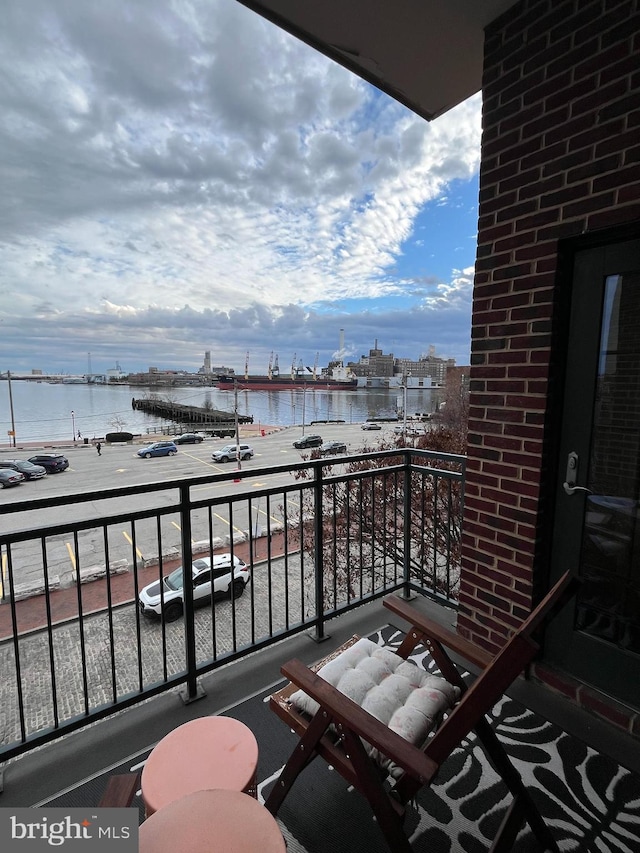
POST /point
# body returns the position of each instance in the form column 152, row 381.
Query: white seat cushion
column 397, row 692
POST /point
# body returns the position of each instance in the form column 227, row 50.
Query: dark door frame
column 593, row 664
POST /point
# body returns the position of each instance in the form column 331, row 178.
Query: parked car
column 332, row 447
column 189, row 438
column 9, row 477
column 166, row 598
column 53, row 463
column 28, row 469
column 158, row 448
column 409, row 430
column 370, row 425
column 230, row 452
column 308, row 441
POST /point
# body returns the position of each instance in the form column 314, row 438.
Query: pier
column 191, row 417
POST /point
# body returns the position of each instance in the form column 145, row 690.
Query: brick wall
column 561, row 157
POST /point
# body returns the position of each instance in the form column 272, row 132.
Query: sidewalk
column 31, row 613
column 247, row 431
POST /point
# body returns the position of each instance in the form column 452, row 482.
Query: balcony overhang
column 424, row 53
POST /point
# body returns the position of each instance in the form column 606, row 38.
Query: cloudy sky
column 179, row 176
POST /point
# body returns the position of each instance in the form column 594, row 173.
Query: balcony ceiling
column 427, row 54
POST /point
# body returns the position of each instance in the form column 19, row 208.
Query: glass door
column 597, row 529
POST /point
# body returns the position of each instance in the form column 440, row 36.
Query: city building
column 381, row 370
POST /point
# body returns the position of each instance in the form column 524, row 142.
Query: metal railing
column 320, row 537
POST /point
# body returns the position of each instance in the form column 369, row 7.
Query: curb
column 22, row 592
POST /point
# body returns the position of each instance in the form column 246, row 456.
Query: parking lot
column 119, row 466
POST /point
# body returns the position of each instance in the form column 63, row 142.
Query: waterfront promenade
column 247, row 431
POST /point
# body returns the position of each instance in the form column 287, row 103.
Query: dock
column 192, row 417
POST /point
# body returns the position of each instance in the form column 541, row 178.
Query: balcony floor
column 39, row 776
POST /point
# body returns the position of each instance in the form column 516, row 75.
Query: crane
column 269, row 371
column 293, row 366
column 315, row 367
column 276, row 369
column 246, row 366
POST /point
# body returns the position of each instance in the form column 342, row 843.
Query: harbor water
column 47, row 411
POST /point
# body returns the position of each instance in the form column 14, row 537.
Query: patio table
column 210, row 821
column 205, row 753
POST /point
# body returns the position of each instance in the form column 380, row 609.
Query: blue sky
column 182, row 177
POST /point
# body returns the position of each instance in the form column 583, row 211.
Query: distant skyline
column 184, row 177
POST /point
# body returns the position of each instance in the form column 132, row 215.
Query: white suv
column 166, row 598
column 230, row 452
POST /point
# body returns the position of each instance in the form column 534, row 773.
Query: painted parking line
column 177, row 527
column 226, row 521
column 130, row 541
column 207, row 487
column 72, row 555
column 264, row 512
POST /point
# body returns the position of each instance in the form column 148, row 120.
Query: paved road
column 116, row 651
column 120, row 466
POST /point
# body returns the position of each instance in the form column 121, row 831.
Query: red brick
column 505, row 385
column 519, row 431
column 592, row 136
column 590, row 204
column 542, row 217
column 605, row 707
column 501, row 443
column 558, row 133
column 557, row 680
column 535, row 249
column 629, row 194
column 509, row 357
column 614, row 216
column 618, row 178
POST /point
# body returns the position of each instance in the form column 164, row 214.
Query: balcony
column 325, row 539
column 321, row 538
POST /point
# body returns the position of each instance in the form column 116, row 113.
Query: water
column 43, row 411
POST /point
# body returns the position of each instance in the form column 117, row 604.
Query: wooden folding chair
column 120, row 790
column 336, row 730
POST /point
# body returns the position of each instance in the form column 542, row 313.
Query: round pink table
column 209, row 752
column 212, row 822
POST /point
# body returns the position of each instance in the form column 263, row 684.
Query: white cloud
column 174, row 170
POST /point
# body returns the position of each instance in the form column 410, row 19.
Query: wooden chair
column 335, row 731
column 120, row 790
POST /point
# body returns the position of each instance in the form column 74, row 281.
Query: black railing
column 320, row 537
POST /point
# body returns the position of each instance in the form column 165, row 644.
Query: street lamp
column 12, row 431
column 405, row 382
column 73, row 424
column 404, row 408
column 304, row 402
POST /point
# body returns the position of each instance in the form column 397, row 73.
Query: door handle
column 571, row 475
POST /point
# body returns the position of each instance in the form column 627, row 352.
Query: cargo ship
column 340, row 380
